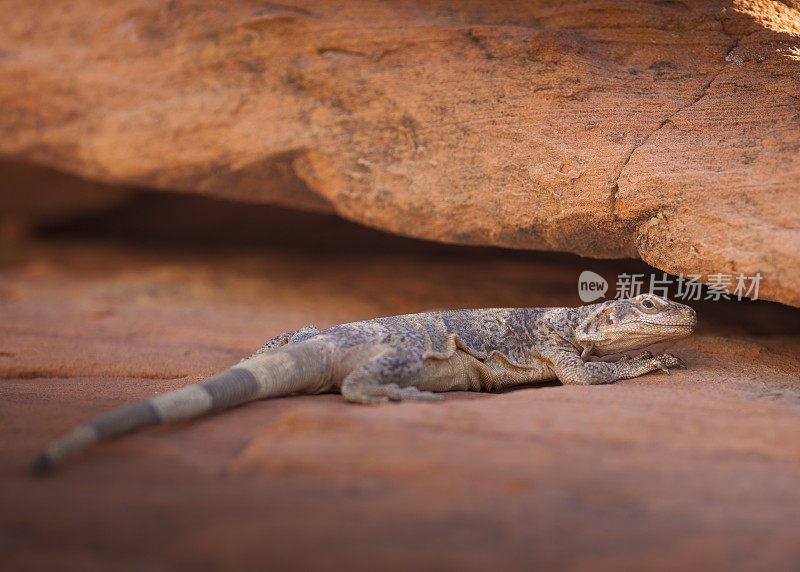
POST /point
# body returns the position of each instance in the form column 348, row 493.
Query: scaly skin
column 417, row 356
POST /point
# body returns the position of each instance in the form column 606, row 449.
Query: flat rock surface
column 666, row 130
column 698, row 469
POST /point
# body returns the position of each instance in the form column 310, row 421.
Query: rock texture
column 668, row 130
column 696, row 470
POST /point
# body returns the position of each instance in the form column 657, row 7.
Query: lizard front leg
column 645, row 362
column 570, row 368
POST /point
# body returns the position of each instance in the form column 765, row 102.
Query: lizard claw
column 665, row 361
column 670, row 360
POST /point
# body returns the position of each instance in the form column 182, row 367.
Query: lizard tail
column 301, row 368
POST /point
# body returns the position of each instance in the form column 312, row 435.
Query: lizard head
column 625, row 325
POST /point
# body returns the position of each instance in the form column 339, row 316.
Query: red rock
column 666, row 130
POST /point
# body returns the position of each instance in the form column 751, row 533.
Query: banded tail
column 301, row 368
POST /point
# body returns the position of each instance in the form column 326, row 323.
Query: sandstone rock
column 666, row 130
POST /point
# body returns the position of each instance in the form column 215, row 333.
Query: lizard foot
column 645, row 363
column 370, row 394
column 666, row 361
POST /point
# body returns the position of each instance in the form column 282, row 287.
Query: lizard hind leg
column 386, row 378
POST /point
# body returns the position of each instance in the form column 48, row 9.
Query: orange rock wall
column 666, row 130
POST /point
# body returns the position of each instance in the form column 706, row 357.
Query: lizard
column 416, row 357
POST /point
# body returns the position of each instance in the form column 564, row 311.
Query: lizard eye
column 647, row 304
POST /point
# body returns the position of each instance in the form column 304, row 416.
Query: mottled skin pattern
column 416, row 356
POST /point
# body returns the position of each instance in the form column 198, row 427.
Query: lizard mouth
column 676, row 326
